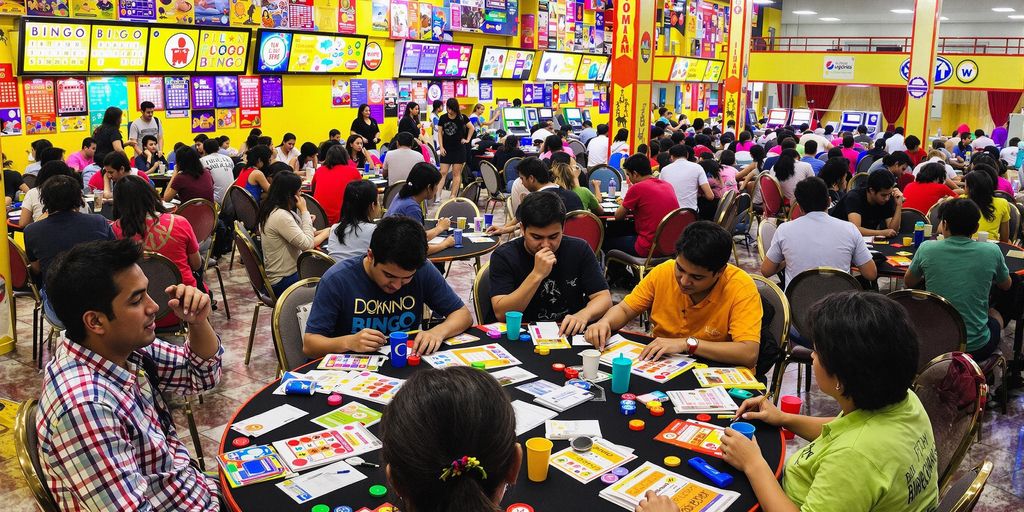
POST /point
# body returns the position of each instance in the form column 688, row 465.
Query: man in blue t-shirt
column 361, row 300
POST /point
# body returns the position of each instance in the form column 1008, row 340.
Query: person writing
column 422, row 184
column 874, row 209
column 359, row 301
column 546, row 275
column 698, row 302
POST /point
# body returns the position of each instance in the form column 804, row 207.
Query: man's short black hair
column 61, row 193
column 680, row 151
column 533, row 166
column 88, row 141
column 879, row 181
column 202, row 137
column 146, row 105
column 541, row 209
column 602, row 129
column 705, row 244
column 788, row 143
column 898, row 157
column 812, row 194
column 405, row 139
column 211, row 146
column 861, row 129
column 865, row 341
column 637, row 164
column 399, row 240
column 51, row 154
column 961, row 216
column 333, row 133
column 82, row 280
column 811, row 147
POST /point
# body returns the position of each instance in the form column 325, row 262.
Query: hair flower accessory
column 463, row 465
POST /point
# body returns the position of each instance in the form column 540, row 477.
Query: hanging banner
column 151, row 89
column 250, row 118
column 176, row 93
column 249, row 92
column 71, row 97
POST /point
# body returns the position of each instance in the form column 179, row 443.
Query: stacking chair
column 933, row 213
column 257, row 278
column 587, row 226
column 857, row 181
column 472, row 191
column 663, row 246
column 940, row 328
column 317, row 211
column 29, row 180
column 23, row 286
column 864, row 164
column 909, row 217
column 803, row 290
column 605, row 174
column 202, row 215
column 246, row 210
column 962, row 495
column 578, row 149
column 313, row 263
column 162, row 273
column 26, row 445
column 952, row 390
column 795, row 211
column 772, row 200
column 458, row 207
column 1014, row 222
column 740, row 226
column 772, row 294
column 492, row 181
column 482, row 307
column 284, row 324
column 510, row 172
column 727, row 216
column 724, row 203
column 765, row 233
column 390, row 193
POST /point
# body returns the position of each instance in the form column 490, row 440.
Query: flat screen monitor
column 873, row 120
column 492, row 62
column 850, row 121
column 419, row 59
column 453, row 60
column 555, row 66
column 545, row 114
column 801, row 116
column 574, row 117
column 308, row 53
column 515, row 121
column 777, row 117
column 592, row 68
column 586, row 115
column 532, row 116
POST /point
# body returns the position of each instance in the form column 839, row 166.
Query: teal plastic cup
column 513, row 321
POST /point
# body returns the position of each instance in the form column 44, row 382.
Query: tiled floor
column 19, row 380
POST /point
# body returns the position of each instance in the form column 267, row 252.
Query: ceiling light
column 902, row 11
column 1016, row 16
column 1003, row 9
column 829, row 19
column 764, row 2
column 943, row 18
column 800, row 13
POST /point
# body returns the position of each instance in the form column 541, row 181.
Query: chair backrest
column 577, row 148
column 29, row 180
column 21, row 279
column 313, row 263
column 963, row 494
column 822, row 155
column 952, row 390
column 772, row 294
column 795, row 211
column 202, row 215
column 471, row 191
column 491, row 179
column 744, row 214
column 434, row 158
column 765, row 234
column 459, row 207
column 724, row 204
column 1003, row 194
column 284, row 324
column 940, row 328
column 26, row 445
column 585, row 225
column 482, row 295
column 1014, row 227
column 317, row 211
column 909, row 217
column 857, row 181
column 865, row 164
column 934, row 214
column 812, row 285
column 771, row 194
column 253, row 265
column 161, row 273
column 245, row 206
column 615, row 160
column 511, row 171
column 391, row 193
column 605, row 174
column 669, row 230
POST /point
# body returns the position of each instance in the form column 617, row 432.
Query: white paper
column 630, row 489
column 545, row 330
column 539, row 387
column 529, row 416
column 436, row 240
column 317, row 483
column 512, row 375
column 564, row 398
column 480, row 239
column 579, row 341
column 270, row 420
column 568, row 429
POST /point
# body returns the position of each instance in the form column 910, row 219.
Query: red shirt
column 650, row 201
column 922, row 196
column 917, row 155
column 329, row 188
column 96, row 181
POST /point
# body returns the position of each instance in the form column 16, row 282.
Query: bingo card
column 372, row 386
column 150, row 88
column 662, row 370
column 327, row 446
column 351, row 362
column 694, row 435
column 493, row 356
column 71, row 97
column 39, row 98
column 249, row 91
column 202, row 92
column 8, row 87
column 176, row 91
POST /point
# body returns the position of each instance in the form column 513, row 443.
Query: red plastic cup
column 790, row 404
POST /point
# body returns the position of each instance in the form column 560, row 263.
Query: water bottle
column 918, row 233
column 611, row 188
column 621, row 367
column 625, row 187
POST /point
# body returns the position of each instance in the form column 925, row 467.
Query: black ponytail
column 421, row 177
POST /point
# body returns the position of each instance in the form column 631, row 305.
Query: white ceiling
column 878, row 11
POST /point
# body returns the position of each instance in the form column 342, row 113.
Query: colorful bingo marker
column 717, row 477
column 378, row 491
column 636, row 425
column 657, row 411
column 627, row 409
column 609, row 478
column 672, row 461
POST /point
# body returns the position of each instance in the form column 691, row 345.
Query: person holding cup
column 879, row 452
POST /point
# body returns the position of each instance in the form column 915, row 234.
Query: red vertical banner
column 735, row 89
column 633, row 63
column 528, row 32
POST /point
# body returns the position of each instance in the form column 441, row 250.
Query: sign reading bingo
column 118, row 48
column 54, row 47
column 222, row 51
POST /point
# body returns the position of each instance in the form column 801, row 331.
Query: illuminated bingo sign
column 118, row 48
column 172, row 50
column 53, row 47
column 222, row 51
column 273, row 51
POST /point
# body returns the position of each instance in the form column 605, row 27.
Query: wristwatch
column 691, row 346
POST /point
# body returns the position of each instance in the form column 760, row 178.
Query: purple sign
column 137, row 10
column 176, row 93
column 202, row 92
column 452, row 61
column 227, row 92
column 203, row 121
column 428, row 60
column 411, row 59
column 377, row 113
column 271, row 91
column 10, row 121
column 358, row 91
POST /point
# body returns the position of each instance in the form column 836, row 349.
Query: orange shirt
column 732, row 311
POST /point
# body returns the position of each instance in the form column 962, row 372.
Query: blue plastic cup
column 513, row 322
column 744, row 428
column 488, row 220
column 457, row 234
column 399, row 349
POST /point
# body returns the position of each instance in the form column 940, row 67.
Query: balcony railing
column 946, row 45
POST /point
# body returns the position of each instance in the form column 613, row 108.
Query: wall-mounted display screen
column 556, row 66
column 592, row 68
column 309, row 52
column 506, row 63
column 420, row 59
column 453, row 60
column 118, row 48
column 53, row 47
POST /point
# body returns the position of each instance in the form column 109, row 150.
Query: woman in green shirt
column 569, row 180
column 878, row 454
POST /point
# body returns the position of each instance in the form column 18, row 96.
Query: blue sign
column 943, row 70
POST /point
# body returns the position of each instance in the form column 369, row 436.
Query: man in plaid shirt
column 106, row 438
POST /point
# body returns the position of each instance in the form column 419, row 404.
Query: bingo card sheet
column 327, row 446
column 371, row 386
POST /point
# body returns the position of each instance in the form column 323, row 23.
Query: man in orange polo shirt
column 698, row 302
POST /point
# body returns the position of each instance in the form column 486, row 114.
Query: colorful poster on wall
column 8, row 87
column 379, row 15
column 377, row 113
column 249, row 92
column 246, row 13
column 275, row 14
column 358, row 89
column 314, row 53
column 340, row 93
column 107, row 91
column 72, row 124
column 271, row 91
column 300, row 14
column 426, row 20
column 10, row 121
column 181, row 12
column 176, row 93
column 117, row 48
column 399, row 19
column 438, row 20
column 151, row 89
column 375, row 94
column 52, row 8
column 12, row 8
column 528, row 34
column 222, row 51
column 40, row 106
column 226, row 92
column 347, row 17
column 413, row 21
column 390, row 99
column 137, row 10
column 486, row 90
column 172, row 50
column 71, row 97
column 226, row 118
column 203, row 121
column 94, row 9
column 250, row 118
column 203, row 97
column 213, row 13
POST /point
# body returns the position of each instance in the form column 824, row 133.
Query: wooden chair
column 313, row 263
column 663, row 247
column 940, row 328
column 317, row 211
column 772, row 294
column 26, row 446
column 962, row 495
column 257, row 279
column 482, row 307
column 202, row 215
column 587, row 226
column 908, row 218
column 284, row 324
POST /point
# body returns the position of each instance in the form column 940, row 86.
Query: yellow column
column 736, row 62
column 7, row 322
column 632, row 70
column 922, row 66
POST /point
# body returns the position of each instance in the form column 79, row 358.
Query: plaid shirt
column 107, row 441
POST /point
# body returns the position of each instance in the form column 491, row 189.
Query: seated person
column 928, row 188
column 476, row 455
column 649, row 199
column 699, row 303
column 115, row 167
column 879, row 452
column 287, row 229
column 545, row 275
column 995, row 211
column 421, row 184
column 874, row 209
column 400, row 161
column 106, row 438
column 350, row 237
column 945, row 264
column 361, row 300
column 82, row 159
column 150, row 158
column 817, row 239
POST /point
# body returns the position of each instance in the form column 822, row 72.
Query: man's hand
column 543, row 262
column 888, row 233
column 444, row 223
column 427, row 342
column 366, row 340
column 571, row 326
column 188, row 303
column 598, row 333
column 662, row 347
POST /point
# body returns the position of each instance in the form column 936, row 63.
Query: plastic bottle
column 611, row 188
column 621, row 367
column 918, row 233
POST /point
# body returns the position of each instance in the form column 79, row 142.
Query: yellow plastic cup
column 538, row 453
column 908, row 240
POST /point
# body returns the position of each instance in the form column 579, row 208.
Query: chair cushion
column 626, row 258
column 801, row 354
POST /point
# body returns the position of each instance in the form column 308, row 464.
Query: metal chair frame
column 311, row 261
column 275, row 321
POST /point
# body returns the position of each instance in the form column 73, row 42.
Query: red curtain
column 785, row 95
column 1000, row 105
column 819, row 96
column 894, row 100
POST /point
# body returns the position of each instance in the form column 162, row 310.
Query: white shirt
column 817, row 240
column 1009, row 155
column 541, row 134
column 619, row 147
column 982, row 143
column 823, row 143
column 357, row 241
column 281, row 157
column 801, row 170
column 950, row 172
column 895, row 143
column 686, row 178
column 518, row 192
column 222, row 170
column 597, row 150
column 398, row 162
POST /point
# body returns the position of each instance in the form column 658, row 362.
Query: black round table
column 559, row 492
column 469, row 248
column 1015, row 265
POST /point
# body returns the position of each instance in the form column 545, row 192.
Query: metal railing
column 946, row 45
